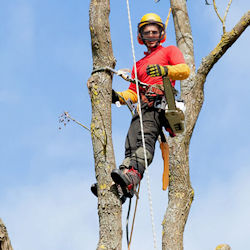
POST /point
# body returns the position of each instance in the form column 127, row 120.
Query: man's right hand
column 115, row 96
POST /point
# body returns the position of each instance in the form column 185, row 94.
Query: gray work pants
column 153, row 121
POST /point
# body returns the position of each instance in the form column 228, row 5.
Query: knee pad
column 139, row 156
column 125, row 163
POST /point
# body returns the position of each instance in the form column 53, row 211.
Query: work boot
column 93, row 189
column 128, row 179
column 122, row 197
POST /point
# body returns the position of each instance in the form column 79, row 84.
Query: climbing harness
column 174, row 114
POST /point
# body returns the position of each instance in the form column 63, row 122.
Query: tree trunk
column 192, row 92
column 100, row 87
column 180, row 189
column 4, row 238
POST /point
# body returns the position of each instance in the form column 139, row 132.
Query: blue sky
column 46, row 172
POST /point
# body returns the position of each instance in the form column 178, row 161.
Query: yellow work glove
column 157, row 70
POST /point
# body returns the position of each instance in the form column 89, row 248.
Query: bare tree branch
column 224, row 18
column 228, row 6
column 195, row 96
column 227, row 40
column 216, row 11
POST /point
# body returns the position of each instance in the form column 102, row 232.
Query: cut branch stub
column 223, row 247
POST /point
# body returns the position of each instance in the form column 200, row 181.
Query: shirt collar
column 146, row 53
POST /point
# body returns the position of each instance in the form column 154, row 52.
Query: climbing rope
column 142, row 131
column 133, row 222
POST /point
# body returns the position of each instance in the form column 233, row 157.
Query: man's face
column 151, row 31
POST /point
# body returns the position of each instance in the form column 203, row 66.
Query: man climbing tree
column 158, row 62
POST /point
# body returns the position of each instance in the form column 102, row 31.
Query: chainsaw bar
column 174, row 115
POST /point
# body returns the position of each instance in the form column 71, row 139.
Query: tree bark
column 192, row 92
column 4, row 238
column 180, row 189
column 100, row 87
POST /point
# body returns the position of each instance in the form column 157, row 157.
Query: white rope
column 142, row 131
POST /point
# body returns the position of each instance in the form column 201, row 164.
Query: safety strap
column 121, row 73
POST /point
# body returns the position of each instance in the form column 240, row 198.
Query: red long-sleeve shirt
column 170, row 55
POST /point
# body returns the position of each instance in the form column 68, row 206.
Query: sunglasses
column 153, row 32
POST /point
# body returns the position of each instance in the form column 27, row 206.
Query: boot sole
column 119, row 180
column 93, row 189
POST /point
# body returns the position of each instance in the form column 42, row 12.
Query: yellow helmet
column 151, row 18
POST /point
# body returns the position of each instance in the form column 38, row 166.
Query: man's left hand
column 157, row 70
